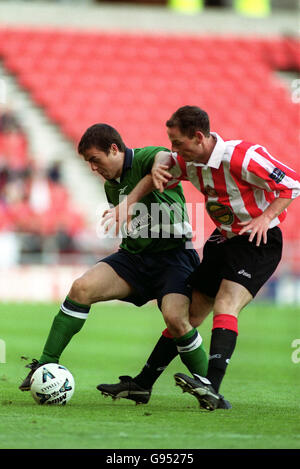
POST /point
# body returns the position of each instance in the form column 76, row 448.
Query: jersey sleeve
column 267, row 173
column 145, row 158
column 177, row 170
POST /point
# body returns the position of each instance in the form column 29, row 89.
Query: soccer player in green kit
column 150, row 264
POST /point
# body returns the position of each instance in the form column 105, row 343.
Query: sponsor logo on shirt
column 277, row 175
column 219, row 212
column 122, row 191
column 210, row 191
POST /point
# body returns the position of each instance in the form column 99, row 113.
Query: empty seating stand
column 135, row 81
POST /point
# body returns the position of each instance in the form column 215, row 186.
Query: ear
column 114, row 148
column 200, row 136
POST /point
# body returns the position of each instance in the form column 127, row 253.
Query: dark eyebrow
column 89, row 159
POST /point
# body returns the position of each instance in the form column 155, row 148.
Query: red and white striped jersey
column 239, row 182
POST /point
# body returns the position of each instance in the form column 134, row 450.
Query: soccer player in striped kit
column 247, row 192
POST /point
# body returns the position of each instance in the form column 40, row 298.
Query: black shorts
column 154, row 275
column 238, row 260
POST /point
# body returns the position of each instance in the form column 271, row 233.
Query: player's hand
column 109, row 220
column 258, row 226
column 114, row 218
column 160, row 176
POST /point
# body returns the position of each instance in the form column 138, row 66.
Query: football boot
column 34, row 365
column 201, row 388
column 126, row 389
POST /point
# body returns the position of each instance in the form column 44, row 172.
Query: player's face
column 108, row 165
column 189, row 148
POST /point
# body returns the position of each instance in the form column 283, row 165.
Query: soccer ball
column 52, row 384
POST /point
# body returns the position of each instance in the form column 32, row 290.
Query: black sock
column 163, row 353
column 222, row 345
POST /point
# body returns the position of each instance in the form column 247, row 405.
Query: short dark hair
column 100, row 136
column 189, row 119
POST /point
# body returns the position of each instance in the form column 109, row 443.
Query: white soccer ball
column 52, row 384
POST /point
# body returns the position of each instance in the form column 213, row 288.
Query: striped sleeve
column 178, row 167
column 177, row 170
column 260, row 169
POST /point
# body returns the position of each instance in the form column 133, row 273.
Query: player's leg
column 245, row 271
column 241, row 268
column 100, row 283
column 165, row 349
column 230, row 300
column 139, row 388
column 174, row 298
column 171, row 272
column 175, row 310
column 200, row 308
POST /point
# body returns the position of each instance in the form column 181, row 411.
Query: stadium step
column 39, row 129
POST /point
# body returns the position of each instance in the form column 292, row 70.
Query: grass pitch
column 262, row 383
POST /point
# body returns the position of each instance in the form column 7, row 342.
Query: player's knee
column 177, row 325
column 196, row 317
column 80, row 291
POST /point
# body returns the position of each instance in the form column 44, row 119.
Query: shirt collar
column 216, row 156
column 128, row 158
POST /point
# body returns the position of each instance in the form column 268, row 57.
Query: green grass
column 262, row 384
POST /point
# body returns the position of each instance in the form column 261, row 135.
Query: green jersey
column 159, row 221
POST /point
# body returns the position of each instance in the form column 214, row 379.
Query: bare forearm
column 143, row 188
column 259, row 226
column 276, row 208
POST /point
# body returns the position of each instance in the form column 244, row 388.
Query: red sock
column 225, row 321
column 167, row 334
